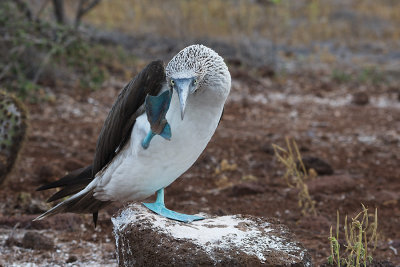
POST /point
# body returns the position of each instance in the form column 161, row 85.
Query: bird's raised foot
column 156, row 108
column 160, row 209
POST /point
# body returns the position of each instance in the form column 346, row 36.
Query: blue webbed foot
column 159, row 208
column 156, row 109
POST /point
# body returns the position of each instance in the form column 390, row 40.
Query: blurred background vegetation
column 46, row 45
column 284, row 21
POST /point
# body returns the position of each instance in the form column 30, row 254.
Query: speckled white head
column 197, row 68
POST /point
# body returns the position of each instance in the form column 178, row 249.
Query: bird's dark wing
column 120, row 120
column 113, row 136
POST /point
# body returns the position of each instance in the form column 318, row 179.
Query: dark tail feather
column 82, row 176
column 67, row 191
column 83, row 202
column 73, row 184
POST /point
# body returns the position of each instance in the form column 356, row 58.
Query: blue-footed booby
column 157, row 128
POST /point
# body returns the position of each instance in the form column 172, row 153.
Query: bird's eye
column 172, row 82
column 195, row 81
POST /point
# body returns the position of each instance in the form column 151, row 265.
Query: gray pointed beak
column 182, row 87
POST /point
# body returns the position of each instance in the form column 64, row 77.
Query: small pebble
column 72, row 258
column 360, row 99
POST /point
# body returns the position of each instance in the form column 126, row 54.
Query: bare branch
column 59, row 11
column 84, row 7
column 41, row 9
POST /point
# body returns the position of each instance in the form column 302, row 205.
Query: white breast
column 137, row 173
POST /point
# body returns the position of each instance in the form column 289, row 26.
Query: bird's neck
column 201, row 107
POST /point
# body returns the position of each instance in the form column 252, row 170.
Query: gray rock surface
column 146, row 239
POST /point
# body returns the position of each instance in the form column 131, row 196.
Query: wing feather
column 128, row 106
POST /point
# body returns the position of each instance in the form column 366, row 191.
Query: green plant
column 296, row 173
column 371, row 75
column 359, row 233
column 335, row 246
column 12, row 131
column 36, row 53
column 341, row 76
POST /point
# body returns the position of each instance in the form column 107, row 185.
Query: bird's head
column 194, row 69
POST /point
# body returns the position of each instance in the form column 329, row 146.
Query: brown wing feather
column 119, row 123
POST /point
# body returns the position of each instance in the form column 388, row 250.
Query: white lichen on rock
column 238, row 234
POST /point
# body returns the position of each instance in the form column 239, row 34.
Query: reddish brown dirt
column 360, row 142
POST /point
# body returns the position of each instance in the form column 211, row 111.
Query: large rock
column 146, row 239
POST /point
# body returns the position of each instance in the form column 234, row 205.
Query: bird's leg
column 159, row 208
column 156, row 109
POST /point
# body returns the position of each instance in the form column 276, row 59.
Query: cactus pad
column 12, row 131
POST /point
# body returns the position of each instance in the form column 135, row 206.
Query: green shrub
column 37, row 53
